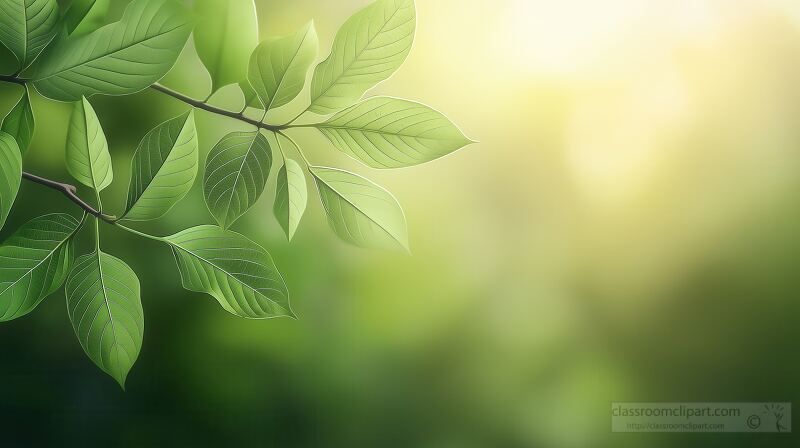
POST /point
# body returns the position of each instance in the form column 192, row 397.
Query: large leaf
column 226, row 34
column 10, row 174
column 19, row 123
column 105, row 308
column 278, row 67
column 118, row 59
column 27, row 26
column 164, row 169
column 368, row 49
column 85, row 16
column 236, row 175
column 392, row 133
column 234, row 270
column 361, row 212
column 291, row 197
column 88, row 159
column 34, row 262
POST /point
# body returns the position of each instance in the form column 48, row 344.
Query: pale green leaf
column 164, row 169
column 85, row 16
column 278, row 67
column 392, row 133
column 368, row 49
column 225, row 36
column 10, row 174
column 105, row 308
column 34, row 262
column 361, row 212
column 234, row 270
column 291, row 197
column 87, row 156
column 118, row 59
column 27, row 26
column 236, row 175
column 19, row 123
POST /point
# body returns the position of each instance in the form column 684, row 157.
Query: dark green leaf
column 27, row 26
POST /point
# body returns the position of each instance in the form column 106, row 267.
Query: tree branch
column 215, row 110
column 70, row 192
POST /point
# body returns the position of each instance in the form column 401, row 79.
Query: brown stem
column 70, row 192
column 215, row 110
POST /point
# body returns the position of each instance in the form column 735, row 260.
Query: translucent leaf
column 27, row 26
column 226, row 34
column 85, row 16
column 118, row 59
column 105, row 308
column 88, row 159
column 236, row 175
column 393, row 133
column 278, row 67
column 250, row 95
column 34, row 262
column 291, row 197
column 19, row 123
column 10, row 174
column 361, row 212
column 232, row 269
column 164, row 169
column 368, row 49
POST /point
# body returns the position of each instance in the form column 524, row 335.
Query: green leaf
column 27, row 27
column 164, row 169
column 392, row 133
column 19, row 123
column 105, row 308
column 118, row 59
column 88, row 160
column 226, row 34
column 250, row 96
column 10, row 174
column 368, row 49
column 236, row 175
column 85, row 16
column 34, row 262
column 291, row 197
column 278, row 67
column 361, row 212
column 234, row 270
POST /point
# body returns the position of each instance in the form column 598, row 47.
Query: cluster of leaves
column 72, row 56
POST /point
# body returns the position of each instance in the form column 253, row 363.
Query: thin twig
column 70, row 192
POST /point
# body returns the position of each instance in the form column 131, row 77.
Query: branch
column 13, row 79
column 70, row 192
column 215, row 110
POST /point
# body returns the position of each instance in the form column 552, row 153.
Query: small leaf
column 164, row 169
column 105, row 308
column 85, row 16
column 392, row 133
column 27, row 27
column 88, row 160
column 35, row 262
column 291, row 197
column 232, row 269
column 226, row 34
column 368, row 49
column 19, row 123
column 236, row 175
column 250, row 96
column 278, row 67
column 118, row 59
column 10, row 174
column 361, row 212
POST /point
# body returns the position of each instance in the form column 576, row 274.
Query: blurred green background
column 628, row 229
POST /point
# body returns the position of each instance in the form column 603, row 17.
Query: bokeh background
column 628, row 229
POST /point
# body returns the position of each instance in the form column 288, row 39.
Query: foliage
column 73, row 57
